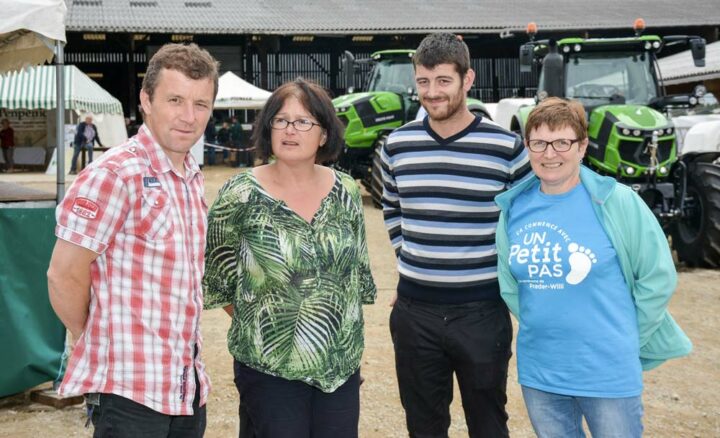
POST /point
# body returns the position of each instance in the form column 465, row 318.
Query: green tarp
column 32, row 337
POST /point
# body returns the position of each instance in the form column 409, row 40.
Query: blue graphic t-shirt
column 578, row 334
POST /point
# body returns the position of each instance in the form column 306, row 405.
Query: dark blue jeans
column 119, row 417
column 280, row 408
column 433, row 341
column 76, row 153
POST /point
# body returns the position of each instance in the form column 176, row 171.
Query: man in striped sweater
column 441, row 175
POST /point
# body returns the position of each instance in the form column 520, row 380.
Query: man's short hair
column 443, row 48
column 557, row 114
column 317, row 102
column 190, row 60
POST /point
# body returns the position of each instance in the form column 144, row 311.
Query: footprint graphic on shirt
column 581, row 260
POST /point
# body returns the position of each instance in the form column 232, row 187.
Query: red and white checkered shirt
column 148, row 224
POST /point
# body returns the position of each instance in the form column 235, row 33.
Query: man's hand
column 69, row 284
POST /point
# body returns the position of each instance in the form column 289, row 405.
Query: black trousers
column 433, row 341
column 114, row 416
column 280, row 408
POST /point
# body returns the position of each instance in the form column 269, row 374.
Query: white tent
column 235, row 93
column 34, row 88
column 28, row 32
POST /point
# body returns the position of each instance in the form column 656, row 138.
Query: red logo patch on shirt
column 86, row 208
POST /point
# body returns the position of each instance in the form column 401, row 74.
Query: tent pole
column 60, row 118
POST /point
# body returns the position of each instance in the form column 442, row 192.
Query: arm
column 69, row 284
column 366, row 282
column 392, row 212
column 508, row 285
column 97, row 136
column 221, row 277
column 654, row 277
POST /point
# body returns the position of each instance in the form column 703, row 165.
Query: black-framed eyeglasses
column 560, row 145
column 299, row 124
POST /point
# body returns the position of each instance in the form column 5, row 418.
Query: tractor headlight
column 648, row 45
column 342, row 109
column 566, row 49
column 630, row 170
column 668, row 131
column 656, row 45
column 577, row 47
column 663, row 170
column 637, row 132
column 626, row 131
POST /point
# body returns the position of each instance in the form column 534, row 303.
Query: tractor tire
column 376, row 182
column 696, row 237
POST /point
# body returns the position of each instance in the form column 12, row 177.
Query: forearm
column 70, row 300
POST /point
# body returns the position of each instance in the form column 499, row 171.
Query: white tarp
column 235, row 93
column 34, row 88
column 28, row 31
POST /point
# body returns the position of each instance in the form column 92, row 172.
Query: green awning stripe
column 34, row 88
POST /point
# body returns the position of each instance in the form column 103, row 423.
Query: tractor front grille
column 633, row 151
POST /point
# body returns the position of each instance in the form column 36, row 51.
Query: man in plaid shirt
column 125, row 275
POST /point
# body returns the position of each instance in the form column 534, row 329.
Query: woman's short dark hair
column 317, row 101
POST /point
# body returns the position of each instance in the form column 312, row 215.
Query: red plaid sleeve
column 93, row 210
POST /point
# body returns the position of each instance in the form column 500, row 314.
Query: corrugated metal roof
column 319, row 17
column 679, row 68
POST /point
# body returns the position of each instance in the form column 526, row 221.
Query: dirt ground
column 681, row 398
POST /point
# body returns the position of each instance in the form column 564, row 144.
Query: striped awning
column 34, row 88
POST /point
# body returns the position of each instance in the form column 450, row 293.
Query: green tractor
column 631, row 136
column 389, row 101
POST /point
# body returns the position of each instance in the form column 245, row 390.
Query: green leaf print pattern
column 297, row 287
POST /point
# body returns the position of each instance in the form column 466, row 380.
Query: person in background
column 223, row 138
column 86, row 134
column 130, row 126
column 236, row 140
column 287, row 259
column 210, row 137
column 440, row 177
column 7, row 143
column 125, row 275
column 587, row 271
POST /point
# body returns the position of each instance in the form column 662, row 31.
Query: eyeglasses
column 560, row 145
column 299, row 124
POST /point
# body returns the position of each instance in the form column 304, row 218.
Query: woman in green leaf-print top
column 287, row 258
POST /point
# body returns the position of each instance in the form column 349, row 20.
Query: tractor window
column 394, row 74
column 600, row 78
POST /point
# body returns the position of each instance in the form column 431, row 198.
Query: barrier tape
column 225, row 148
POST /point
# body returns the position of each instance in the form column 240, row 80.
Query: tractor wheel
column 376, row 182
column 696, row 238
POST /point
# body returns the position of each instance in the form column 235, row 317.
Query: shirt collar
column 159, row 161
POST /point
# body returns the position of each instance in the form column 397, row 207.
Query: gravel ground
column 681, row 398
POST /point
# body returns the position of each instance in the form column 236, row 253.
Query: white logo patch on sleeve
column 85, row 208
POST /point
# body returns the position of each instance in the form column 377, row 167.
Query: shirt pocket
column 156, row 221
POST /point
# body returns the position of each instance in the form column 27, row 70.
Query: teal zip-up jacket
column 644, row 256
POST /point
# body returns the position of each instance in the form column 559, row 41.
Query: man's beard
column 454, row 105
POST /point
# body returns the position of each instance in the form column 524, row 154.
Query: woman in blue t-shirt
column 587, row 271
